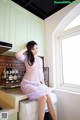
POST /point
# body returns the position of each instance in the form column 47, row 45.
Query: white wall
column 68, row 103
column 52, row 24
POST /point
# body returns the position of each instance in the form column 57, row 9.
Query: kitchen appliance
column 28, row 110
column 4, row 46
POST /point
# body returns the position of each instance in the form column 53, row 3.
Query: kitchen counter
column 10, row 98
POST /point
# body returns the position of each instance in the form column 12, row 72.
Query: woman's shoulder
column 39, row 58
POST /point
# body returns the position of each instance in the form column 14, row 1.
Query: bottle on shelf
column 7, row 74
column 4, row 74
column 10, row 75
column 15, row 75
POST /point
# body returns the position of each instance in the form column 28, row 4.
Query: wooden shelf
column 11, row 98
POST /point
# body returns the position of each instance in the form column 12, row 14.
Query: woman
column 33, row 81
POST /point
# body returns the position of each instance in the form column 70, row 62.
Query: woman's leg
column 51, row 108
column 41, row 107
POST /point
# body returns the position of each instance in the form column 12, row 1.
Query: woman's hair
column 30, row 56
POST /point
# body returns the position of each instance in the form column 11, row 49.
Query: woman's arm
column 19, row 55
column 41, row 74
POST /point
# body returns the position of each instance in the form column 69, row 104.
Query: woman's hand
column 19, row 53
column 42, row 82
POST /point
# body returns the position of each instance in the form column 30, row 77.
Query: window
column 67, row 57
column 74, row 23
column 71, row 60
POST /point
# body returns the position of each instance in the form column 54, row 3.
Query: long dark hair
column 30, row 56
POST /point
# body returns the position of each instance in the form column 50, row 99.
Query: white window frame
column 58, row 59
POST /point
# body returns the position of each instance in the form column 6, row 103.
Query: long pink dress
column 31, row 84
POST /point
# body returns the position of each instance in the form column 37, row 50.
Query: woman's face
column 34, row 50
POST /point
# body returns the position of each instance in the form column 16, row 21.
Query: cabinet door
column 37, row 32
column 39, row 36
column 25, row 26
column 4, row 20
column 18, row 26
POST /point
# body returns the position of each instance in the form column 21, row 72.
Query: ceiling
column 43, row 8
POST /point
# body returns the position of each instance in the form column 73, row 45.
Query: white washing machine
column 28, row 109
